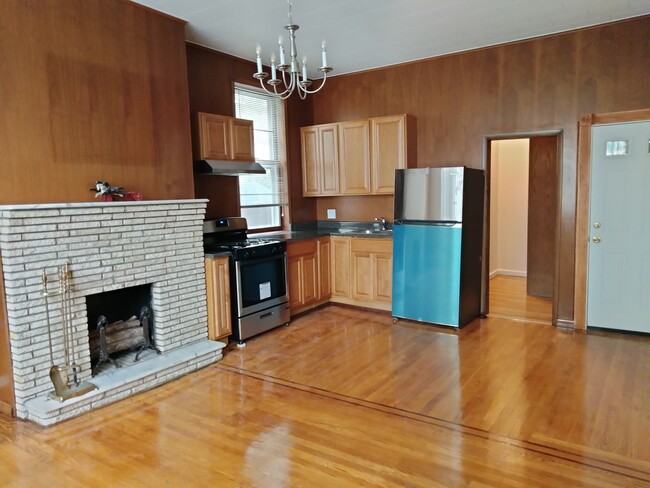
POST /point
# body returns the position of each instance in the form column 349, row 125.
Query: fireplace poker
column 62, row 388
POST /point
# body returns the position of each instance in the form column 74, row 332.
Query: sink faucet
column 382, row 222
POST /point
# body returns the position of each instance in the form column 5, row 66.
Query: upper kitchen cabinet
column 320, row 163
column 354, row 157
column 393, row 147
column 358, row 157
column 223, row 138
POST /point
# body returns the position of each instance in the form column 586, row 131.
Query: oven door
column 261, row 283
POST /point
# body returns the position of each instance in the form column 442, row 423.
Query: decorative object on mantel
column 108, row 193
column 60, row 374
column 292, row 68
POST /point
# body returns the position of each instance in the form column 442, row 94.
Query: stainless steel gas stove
column 258, row 277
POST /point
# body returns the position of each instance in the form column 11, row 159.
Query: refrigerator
column 437, row 245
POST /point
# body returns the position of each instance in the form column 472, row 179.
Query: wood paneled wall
column 540, row 84
column 211, row 80
column 92, row 90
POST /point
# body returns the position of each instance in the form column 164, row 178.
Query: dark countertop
column 221, row 254
column 313, row 234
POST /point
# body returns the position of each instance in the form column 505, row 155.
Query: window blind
column 267, row 114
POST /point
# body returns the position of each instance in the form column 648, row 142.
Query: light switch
column 331, row 213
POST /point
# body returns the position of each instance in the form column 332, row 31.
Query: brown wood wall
column 545, row 83
column 211, row 80
column 91, row 90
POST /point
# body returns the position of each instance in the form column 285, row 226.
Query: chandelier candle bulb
column 273, row 74
column 282, row 61
column 259, row 59
column 304, row 69
column 324, row 55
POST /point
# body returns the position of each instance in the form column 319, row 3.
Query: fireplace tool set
column 65, row 387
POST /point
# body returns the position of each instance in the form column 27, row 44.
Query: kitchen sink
column 369, row 232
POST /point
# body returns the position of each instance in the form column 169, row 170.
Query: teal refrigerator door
column 426, row 273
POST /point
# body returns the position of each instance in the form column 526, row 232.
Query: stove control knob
column 246, row 255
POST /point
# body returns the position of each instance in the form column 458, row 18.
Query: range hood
column 227, row 168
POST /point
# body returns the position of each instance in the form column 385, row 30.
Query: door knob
column 596, row 239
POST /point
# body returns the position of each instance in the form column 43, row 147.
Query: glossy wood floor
column 343, row 397
column 508, row 299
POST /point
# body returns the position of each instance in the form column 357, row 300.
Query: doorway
column 522, row 179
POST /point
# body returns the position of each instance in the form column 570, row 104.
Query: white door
column 618, row 284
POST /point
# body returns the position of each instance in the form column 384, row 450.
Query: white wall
column 509, row 207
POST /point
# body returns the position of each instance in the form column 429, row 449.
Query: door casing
column 582, row 202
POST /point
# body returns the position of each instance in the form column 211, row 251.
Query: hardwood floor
column 342, row 397
column 508, row 299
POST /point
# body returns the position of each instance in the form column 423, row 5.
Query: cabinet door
column 241, row 133
column 324, row 269
column 328, row 142
column 388, row 151
column 340, row 263
column 311, row 167
column 217, row 275
column 309, row 265
column 294, row 276
column 354, row 157
column 362, row 276
column 214, row 136
column 383, row 277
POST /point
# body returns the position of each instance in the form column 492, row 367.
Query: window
column 262, row 197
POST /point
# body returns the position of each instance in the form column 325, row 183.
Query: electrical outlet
column 331, row 213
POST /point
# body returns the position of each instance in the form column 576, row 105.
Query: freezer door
column 429, row 194
column 426, row 273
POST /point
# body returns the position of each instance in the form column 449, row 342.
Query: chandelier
column 290, row 77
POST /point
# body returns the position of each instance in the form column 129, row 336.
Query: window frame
column 282, row 127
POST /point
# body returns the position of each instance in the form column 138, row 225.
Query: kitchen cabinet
column 393, row 147
column 223, row 138
column 372, row 269
column 217, row 280
column 302, row 272
column 340, row 263
column 320, row 164
column 362, row 270
column 324, row 269
column 308, row 273
column 357, row 157
column 354, row 157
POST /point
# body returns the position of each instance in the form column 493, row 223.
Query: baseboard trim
column 508, row 272
column 566, row 324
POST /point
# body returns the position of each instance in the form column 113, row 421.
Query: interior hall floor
column 508, row 299
column 343, row 397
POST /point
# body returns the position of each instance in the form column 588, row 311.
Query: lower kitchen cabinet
column 217, row 281
column 362, row 270
column 324, row 269
column 340, row 261
column 351, row 270
column 302, row 272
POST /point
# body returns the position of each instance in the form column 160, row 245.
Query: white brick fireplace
column 108, row 246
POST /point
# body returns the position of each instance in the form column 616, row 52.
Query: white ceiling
column 364, row 34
